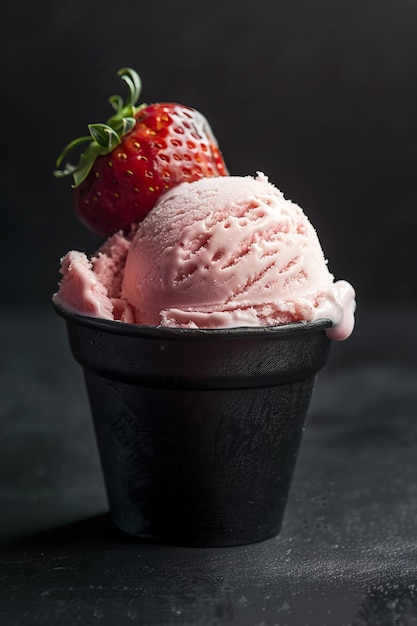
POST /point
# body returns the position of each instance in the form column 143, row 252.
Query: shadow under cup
column 198, row 430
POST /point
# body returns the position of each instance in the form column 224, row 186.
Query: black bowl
column 198, row 430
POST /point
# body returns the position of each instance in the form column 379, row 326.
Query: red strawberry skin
column 169, row 144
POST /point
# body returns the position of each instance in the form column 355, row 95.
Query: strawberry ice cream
column 216, row 253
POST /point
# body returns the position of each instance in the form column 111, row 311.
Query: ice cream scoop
column 230, row 252
column 215, row 253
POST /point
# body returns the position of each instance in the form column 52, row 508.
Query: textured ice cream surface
column 216, row 253
column 92, row 286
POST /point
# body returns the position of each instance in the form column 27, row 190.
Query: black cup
column 198, row 430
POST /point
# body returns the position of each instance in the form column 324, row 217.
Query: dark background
column 321, row 96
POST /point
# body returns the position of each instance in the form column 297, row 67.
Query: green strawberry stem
column 103, row 138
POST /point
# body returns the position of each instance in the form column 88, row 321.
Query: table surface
column 347, row 552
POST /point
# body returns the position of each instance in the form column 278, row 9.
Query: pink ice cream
column 216, row 253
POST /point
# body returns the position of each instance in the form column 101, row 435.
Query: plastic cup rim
column 115, row 327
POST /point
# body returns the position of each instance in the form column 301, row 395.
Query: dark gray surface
column 347, row 553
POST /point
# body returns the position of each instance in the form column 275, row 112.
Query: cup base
column 198, row 467
column 178, row 538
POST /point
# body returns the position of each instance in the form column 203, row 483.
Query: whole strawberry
column 134, row 158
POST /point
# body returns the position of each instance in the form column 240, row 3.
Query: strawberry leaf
column 86, row 162
column 116, row 102
column 134, row 83
column 72, row 144
column 105, row 137
column 128, row 125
